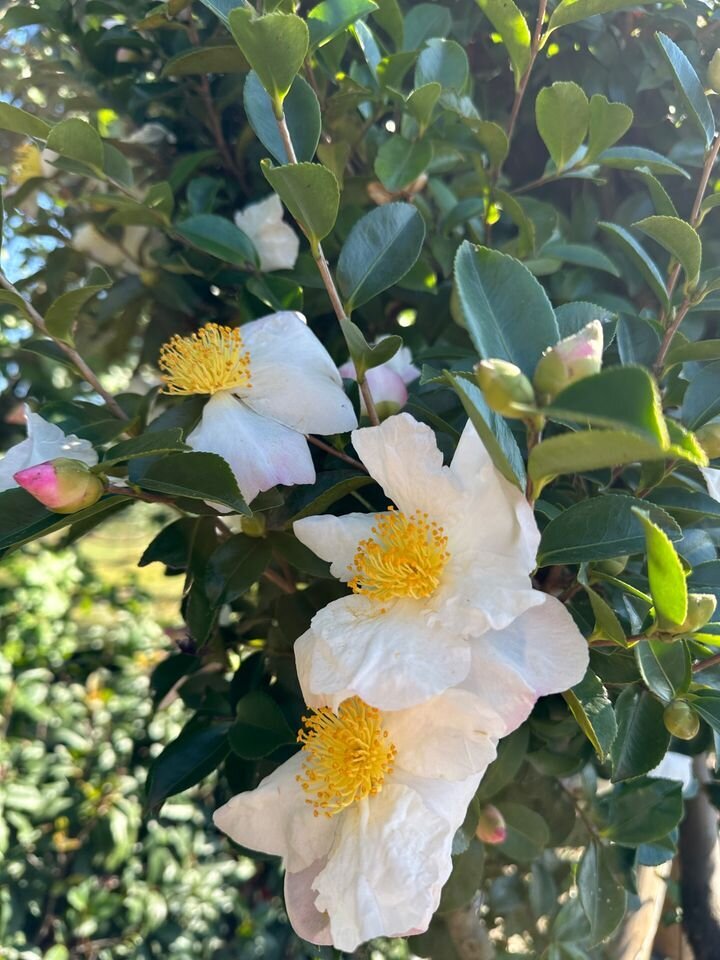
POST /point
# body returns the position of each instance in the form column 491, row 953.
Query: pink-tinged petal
column 386, row 385
column 293, row 378
column 392, row 660
column 539, row 653
column 305, row 918
column 274, row 818
column 260, row 452
column 335, row 539
column 402, row 364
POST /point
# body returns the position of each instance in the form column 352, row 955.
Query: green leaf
column 400, row 161
column 302, row 115
column 169, row 672
column 599, row 528
column 511, row 754
column 363, row 355
column 640, row 258
column 424, row 21
column 62, row 314
column 668, row 586
column 197, row 476
column 679, row 239
column 607, row 625
column 146, row 445
column 684, row 445
column 607, row 123
column 23, row 518
column 466, row 878
column 572, row 11
column 573, row 316
column 275, row 46
column 493, row 139
column 444, row 62
column 200, row 749
column 562, row 113
column 491, row 428
column 702, row 397
column 223, row 8
column 77, row 140
column 620, row 398
column 666, row 668
column 20, row 121
column 507, row 312
column 589, row 704
column 694, row 351
column 512, row 26
column 688, row 85
column 527, row 833
column 328, row 19
column 220, row 58
column 218, row 237
column 602, row 894
column 380, row 249
column 662, row 201
column 640, row 158
column 311, row 194
column 644, row 812
column 234, row 567
column 580, row 254
column 687, row 506
column 421, row 103
column 260, row 727
column 642, row 739
column 330, row 487
column 707, row 704
column 160, row 199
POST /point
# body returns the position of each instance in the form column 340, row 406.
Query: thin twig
column 38, row 321
column 327, row 278
column 336, row 453
column 708, row 662
column 279, row 581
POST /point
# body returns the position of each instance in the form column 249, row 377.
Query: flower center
column 347, row 756
column 210, row 360
column 405, row 557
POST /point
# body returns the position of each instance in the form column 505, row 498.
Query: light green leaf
column 602, row 894
column 662, row 201
column 380, row 249
column 688, row 85
column 572, row 11
column 679, row 239
column 311, row 194
column 668, row 586
column 507, row 312
column 642, row 739
column 562, row 113
column 220, row 58
column 607, row 625
column 512, row 26
column 589, row 704
column 275, row 46
column 400, row 161
column 608, row 122
column 444, row 62
column 77, row 140
column 302, row 115
column 363, row 355
column 666, row 668
column 328, row 19
column 640, row 258
column 493, row 139
column 692, row 352
column 20, row 121
column 62, row 314
column 218, row 237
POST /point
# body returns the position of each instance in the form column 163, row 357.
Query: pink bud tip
column 41, row 482
column 491, row 826
column 64, row 485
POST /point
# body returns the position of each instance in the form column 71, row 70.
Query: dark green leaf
column 77, row 140
column 185, row 761
column 665, row 667
column 588, row 701
column 218, row 237
column 640, row 258
column 198, row 476
column 20, row 121
column 707, row 704
column 601, row 893
column 423, row 21
column 146, row 445
column 260, row 727
column 330, row 487
column 689, row 87
column 400, row 161
column 679, row 239
column 466, row 878
column 702, row 397
column 572, row 317
column 311, row 194
column 220, row 58
column 638, row 159
column 642, row 739
column 571, row 11
column 234, row 567
column 581, row 255
column 444, row 62
column 645, row 812
column 62, row 314
column 527, row 833
column 302, row 114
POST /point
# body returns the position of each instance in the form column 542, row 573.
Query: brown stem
column 680, row 314
column 708, row 662
column 336, row 453
column 38, row 321
column 279, row 581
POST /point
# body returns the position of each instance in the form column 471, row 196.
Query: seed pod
column 681, row 720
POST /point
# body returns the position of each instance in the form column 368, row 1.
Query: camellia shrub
column 406, row 312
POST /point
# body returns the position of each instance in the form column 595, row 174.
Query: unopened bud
column 708, row 436
column 63, row 485
column 504, row 385
column 681, row 720
column 713, row 74
column 701, row 607
column 613, row 566
column 491, row 826
column 572, row 359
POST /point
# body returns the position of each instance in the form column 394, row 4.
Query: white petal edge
column 305, row 919
column 45, row 441
column 711, row 475
column 335, row 539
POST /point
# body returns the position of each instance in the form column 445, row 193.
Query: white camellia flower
column 364, row 815
column 388, row 382
column 450, row 561
column 45, row 441
column 276, row 242
column 269, row 383
column 711, row 476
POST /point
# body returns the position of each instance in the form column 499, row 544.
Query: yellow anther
column 210, row 360
column 405, row 557
column 27, row 164
column 347, row 756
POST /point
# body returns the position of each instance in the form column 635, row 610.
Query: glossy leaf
column 646, row 812
column 234, row 567
column 191, row 757
column 400, row 161
column 285, row 34
column 512, row 26
column 665, row 667
column 589, row 704
column 679, row 239
column 311, row 194
column 688, row 85
column 197, row 476
column 668, row 586
column 218, row 237
column 302, row 115
column 329, row 18
column 702, row 397
column 642, row 739
column 444, row 62
column 572, row 11
column 562, row 114
column 260, row 727
column 146, row 445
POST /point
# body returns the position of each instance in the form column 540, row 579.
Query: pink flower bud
column 386, row 385
column 572, row 359
column 62, row 485
column 491, row 826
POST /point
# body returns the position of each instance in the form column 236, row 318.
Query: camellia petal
column 293, row 378
column 276, row 242
column 259, row 451
column 711, row 476
column 306, row 919
column 45, row 441
column 540, row 653
column 335, row 539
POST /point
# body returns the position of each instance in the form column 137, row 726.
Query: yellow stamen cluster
column 347, row 756
column 27, row 163
column 405, row 557
column 210, row 360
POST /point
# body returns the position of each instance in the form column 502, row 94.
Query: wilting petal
column 275, row 819
column 335, row 539
column 260, row 451
column 392, row 660
column 540, row 653
column 293, row 378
